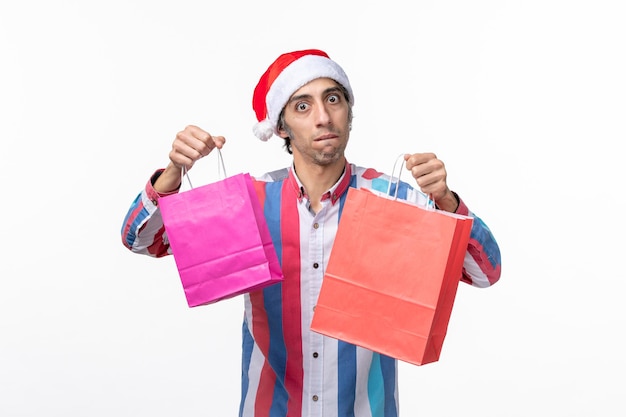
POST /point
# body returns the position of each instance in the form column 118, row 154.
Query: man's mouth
column 326, row 137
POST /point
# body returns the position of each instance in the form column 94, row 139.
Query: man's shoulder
column 366, row 173
column 274, row 176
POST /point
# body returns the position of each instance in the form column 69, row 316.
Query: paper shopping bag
column 220, row 240
column 392, row 277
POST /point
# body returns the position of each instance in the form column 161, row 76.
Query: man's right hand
column 190, row 144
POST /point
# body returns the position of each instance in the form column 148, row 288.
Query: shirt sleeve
column 482, row 264
column 143, row 230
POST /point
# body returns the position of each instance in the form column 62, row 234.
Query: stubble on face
column 319, row 152
column 312, row 141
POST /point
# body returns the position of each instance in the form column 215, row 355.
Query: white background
column 523, row 100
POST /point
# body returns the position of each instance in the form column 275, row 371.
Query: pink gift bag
column 220, row 239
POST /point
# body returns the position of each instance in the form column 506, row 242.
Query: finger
column 412, row 160
column 180, row 159
column 203, row 141
column 210, row 143
column 189, row 146
column 219, row 141
column 434, row 183
column 194, row 142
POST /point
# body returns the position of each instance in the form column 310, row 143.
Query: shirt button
column 315, row 355
column 316, row 225
column 154, row 201
column 315, row 398
column 316, row 265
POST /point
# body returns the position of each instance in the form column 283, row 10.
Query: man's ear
column 282, row 133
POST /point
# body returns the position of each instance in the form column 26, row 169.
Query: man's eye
column 301, row 106
column 333, row 98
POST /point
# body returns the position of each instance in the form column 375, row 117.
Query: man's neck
column 317, row 179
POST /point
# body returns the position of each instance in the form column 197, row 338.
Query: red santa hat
column 284, row 77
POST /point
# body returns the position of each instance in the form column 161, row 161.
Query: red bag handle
column 429, row 200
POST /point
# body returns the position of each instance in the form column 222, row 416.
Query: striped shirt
column 287, row 369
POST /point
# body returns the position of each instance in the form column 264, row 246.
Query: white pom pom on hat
column 286, row 75
column 263, row 130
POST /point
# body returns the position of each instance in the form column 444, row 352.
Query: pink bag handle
column 184, row 173
column 429, row 200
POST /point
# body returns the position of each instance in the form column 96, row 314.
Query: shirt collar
column 334, row 193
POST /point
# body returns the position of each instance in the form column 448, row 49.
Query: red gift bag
column 392, row 276
column 220, row 240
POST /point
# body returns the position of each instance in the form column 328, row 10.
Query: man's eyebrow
column 299, row 97
column 305, row 96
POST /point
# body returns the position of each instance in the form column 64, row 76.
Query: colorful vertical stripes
column 281, row 374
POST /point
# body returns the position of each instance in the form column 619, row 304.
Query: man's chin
column 328, row 157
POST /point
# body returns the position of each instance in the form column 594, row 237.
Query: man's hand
column 430, row 175
column 190, row 144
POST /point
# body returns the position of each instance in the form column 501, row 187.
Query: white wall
column 523, row 100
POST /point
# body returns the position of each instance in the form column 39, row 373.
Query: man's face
column 316, row 120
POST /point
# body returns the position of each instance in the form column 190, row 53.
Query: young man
column 305, row 98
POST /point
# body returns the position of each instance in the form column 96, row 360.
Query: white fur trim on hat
column 294, row 76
